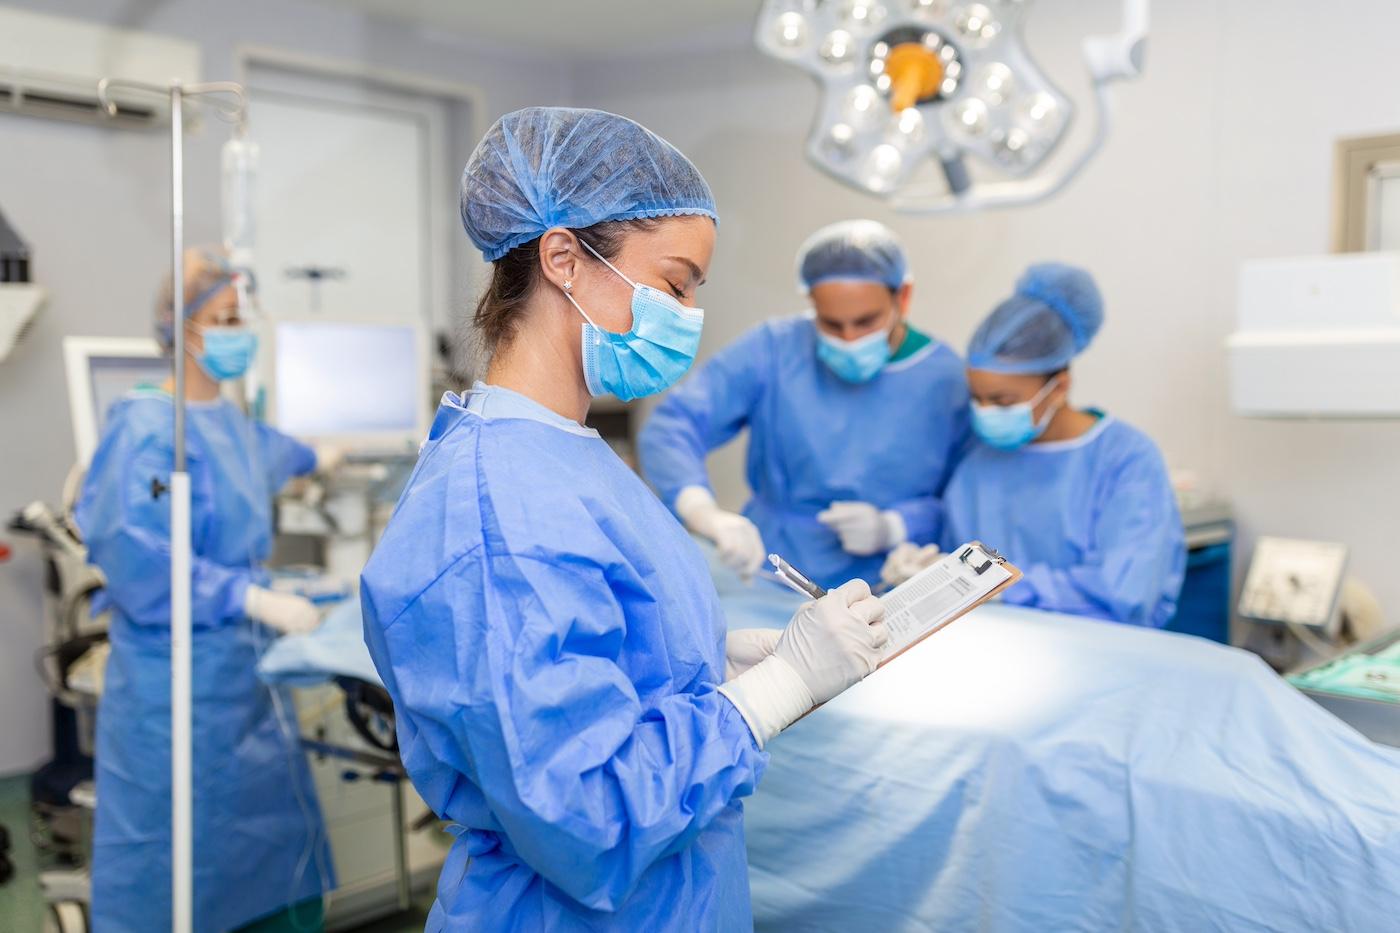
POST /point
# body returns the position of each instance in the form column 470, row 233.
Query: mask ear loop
column 568, row 289
column 1040, row 396
column 606, row 263
column 569, row 286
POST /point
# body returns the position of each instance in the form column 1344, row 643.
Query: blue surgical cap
column 852, row 251
column 207, row 272
column 546, row 167
column 1052, row 317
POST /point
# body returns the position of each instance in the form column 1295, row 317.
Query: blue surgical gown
column 552, row 641
column 259, row 843
column 1092, row 522
column 815, row 439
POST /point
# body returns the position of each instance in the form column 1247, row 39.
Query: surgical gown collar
column 495, row 403
column 1083, row 440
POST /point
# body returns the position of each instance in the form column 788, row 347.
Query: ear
column 559, row 256
column 902, row 296
column 1061, row 390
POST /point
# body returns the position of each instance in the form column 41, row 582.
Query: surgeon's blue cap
column 1051, row 319
column 546, row 167
column 852, row 251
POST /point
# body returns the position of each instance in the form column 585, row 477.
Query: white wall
column 94, row 205
column 1221, row 153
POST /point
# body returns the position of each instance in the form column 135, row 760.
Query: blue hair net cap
column 852, row 251
column 207, row 272
column 1052, row 317
column 546, row 167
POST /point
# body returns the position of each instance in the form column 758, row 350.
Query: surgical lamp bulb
column 911, row 123
column 971, row 116
column 882, row 167
column 995, row 82
column 862, row 14
column 790, row 30
column 863, row 108
column 839, row 143
column 837, row 47
column 1039, row 111
column 976, row 23
column 1012, row 147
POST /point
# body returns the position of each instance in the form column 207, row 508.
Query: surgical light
column 909, row 82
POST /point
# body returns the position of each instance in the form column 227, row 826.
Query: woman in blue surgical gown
column 853, row 368
column 259, row 844
column 1079, row 499
column 566, row 694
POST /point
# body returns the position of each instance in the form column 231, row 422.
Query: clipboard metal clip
column 992, row 557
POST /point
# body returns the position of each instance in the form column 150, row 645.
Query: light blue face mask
column 647, row 359
column 1011, row 427
column 858, row 360
column 228, row 351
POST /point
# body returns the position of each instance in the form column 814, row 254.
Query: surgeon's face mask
column 1011, row 427
column 647, row 359
column 228, row 351
column 858, row 360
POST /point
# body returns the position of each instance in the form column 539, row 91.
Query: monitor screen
column 348, row 379
column 111, row 377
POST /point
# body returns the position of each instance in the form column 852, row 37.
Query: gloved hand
column 906, row 561
column 864, row 529
column 289, row 614
column 745, row 647
column 328, row 457
column 829, row 645
column 736, row 538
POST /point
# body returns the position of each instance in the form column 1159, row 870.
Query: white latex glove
column 906, row 561
column 745, row 647
column 736, row 538
column 864, row 529
column 289, row 614
column 829, row 645
column 328, row 457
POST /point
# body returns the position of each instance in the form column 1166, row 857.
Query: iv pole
column 181, row 697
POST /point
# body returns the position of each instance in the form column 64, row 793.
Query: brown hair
column 516, row 274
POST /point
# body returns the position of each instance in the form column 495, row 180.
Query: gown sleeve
column 704, row 412
column 925, row 517
column 283, row 457
column 535, row 705
column 1134, row 572
column 127, row 532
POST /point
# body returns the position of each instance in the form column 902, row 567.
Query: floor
column 22, row 908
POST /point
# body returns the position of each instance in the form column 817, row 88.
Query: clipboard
column 979, row 559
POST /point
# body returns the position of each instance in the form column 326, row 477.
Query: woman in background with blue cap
column 566, row 692
column 855, row 420
column 1078, row 499
column 260, row 848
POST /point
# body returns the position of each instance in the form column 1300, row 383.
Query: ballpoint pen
column 795, row 578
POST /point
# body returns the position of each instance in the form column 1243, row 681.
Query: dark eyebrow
column 695, row 274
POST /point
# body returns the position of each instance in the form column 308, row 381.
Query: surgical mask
column 647, row 359
column 228, row 351
column 1011, row 427
column 858, row 360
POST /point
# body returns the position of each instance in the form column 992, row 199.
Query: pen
column 795, row 578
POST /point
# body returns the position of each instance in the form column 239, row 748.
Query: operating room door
column 350, row 197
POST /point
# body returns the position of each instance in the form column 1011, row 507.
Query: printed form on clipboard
column 946, row 591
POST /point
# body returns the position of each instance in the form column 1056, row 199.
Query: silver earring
column 568, row 285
